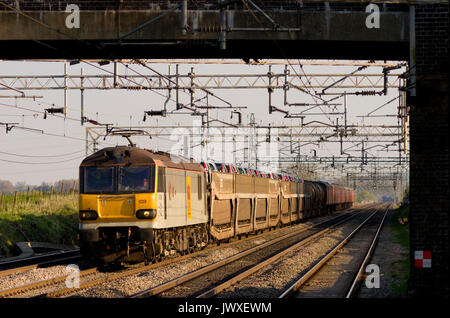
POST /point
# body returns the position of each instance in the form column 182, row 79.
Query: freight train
column 140, row 205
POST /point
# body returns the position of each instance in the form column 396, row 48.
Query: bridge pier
column 429, row 166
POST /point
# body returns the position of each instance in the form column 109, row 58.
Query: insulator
column 366, row 93
column 93, row 122
column 53, row 110
column 162, row 113
column 136, row 87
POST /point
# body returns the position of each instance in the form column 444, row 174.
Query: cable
column 39, row 171
column 63, row 136
column 38, row 111
column 41, row 163
column 48, row 156
column 23, row 115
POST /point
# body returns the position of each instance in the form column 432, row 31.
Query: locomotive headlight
column 146, row 214
column 88, row 215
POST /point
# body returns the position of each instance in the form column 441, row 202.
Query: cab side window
column 161, row 179
column 200, row 188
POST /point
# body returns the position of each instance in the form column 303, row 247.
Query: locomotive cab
column 116, row 190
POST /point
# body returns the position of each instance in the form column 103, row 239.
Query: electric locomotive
column 134, row 200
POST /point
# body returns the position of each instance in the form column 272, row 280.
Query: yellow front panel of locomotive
column 88, row 202
column 116, row 206
column 120, row 207
column 146, row 201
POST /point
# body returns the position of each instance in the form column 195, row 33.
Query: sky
column 55, row 149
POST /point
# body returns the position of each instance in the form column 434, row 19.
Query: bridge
column 202, row 29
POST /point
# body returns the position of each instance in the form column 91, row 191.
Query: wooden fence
column 35, row 198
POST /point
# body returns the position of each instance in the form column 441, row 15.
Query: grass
column 43, row 218
column 401, row 234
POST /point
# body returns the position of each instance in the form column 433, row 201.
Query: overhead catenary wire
column 42, row 163
column 40, row 156
column 387, row 103
column 75, row 168
column 41, row 132
column 38, row 111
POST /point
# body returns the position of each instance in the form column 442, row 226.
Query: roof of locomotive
column 127, row 156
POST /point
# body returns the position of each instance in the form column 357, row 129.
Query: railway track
column 240, row 265
column 247, row 276
column 56, row 287
column 325, row 279
column 92, row 277
column 16, row 267
column 142, row 269
column 20, row 291
column 7, row 267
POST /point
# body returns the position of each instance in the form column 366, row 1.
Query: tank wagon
column 137, row 204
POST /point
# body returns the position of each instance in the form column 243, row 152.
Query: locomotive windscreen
column 99, row 180
column 137, row 179
column 114, row 180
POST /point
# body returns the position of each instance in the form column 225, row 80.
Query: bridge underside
column 256, row 49
column 210, row 34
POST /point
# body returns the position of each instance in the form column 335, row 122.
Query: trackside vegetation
column 400, row 228
column 37, row 217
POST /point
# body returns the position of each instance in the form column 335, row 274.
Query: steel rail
column 214, row 291
column 354, row 287
column 294, row 287
column 209, row 268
